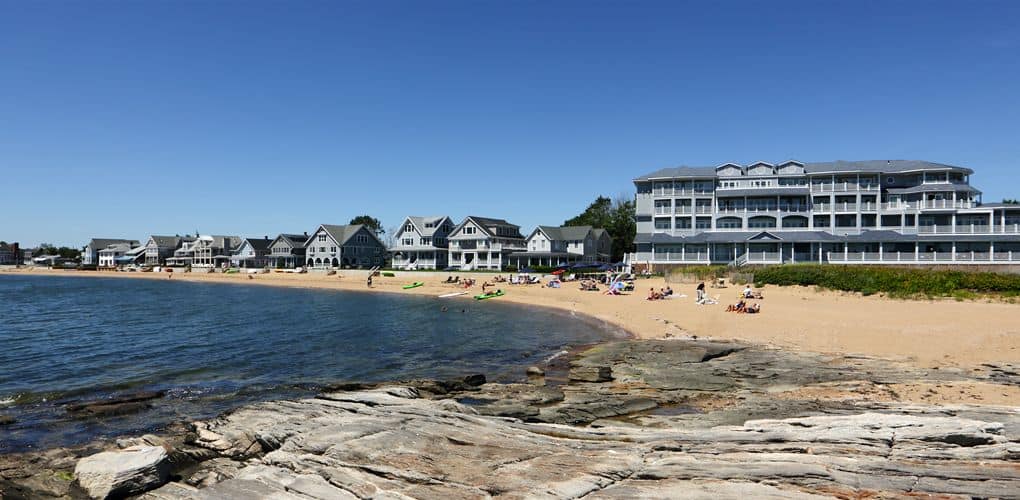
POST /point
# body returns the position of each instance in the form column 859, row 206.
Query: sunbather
column 753, row 308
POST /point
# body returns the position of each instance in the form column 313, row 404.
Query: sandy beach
column 931, row 333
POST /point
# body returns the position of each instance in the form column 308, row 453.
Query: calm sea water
column 213, row 347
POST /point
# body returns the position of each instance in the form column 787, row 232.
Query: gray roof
column 292, row 240
column 598, row 232
column 259, row 243
column 487, row 223
column 342, row 233
column 101, row 243
column 166, row 241
column 840, row 166
column 928, row 188
column 739, row 236
column 420, row 221
column 1000, row 205
column 565, row 233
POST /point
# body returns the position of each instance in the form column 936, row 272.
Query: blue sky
column 244, row 117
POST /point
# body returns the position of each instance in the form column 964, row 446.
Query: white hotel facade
column 843, row 212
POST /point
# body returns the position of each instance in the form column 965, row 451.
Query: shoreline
column 927, row 333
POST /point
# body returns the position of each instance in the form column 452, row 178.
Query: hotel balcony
column 841, row 187
column 968, row 229
column 921, row 257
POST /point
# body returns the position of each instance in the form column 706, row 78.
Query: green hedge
column 896, row 282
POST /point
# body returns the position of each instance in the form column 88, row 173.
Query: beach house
column 160, row 248
column 555, row 246
column 898, row 212
column 213, row 250
column 90, row 255
column 484, row 243
column 10, row 254
column 252, row 253
column 346, row 246
column 421, row 243
column 287, row 251
column 119, row 254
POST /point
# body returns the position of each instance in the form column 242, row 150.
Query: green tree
column 1010, row 201
column 616, row 217
column 369, row 222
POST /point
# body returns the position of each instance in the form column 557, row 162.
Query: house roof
column 598, row 232
column 928, row 188
column 840, row 166
column 487, row 223
column 565, row 233
column 420, row 222
column 101, row 243
column 259, row 243
column 166, row 241
column 341, row 234
column 117, row 247
column 739, row 236
column 292, row 240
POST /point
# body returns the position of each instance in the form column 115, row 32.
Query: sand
column 931, row 333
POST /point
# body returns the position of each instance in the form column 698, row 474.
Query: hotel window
column 662, row 224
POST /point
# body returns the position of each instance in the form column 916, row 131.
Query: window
column 426, row 241
column 469, row 230
column 322, row 249
column 322, row 237
column 409, row 227
column 361, row 238
column 332, row 249
column 407, row 241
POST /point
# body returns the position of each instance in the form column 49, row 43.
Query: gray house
column 253, row 252
column 90, row 255
column 421, row 243
column 160, row 248
column 287, row 251
column 348, row 246
column 556, row 246
column 484, row 243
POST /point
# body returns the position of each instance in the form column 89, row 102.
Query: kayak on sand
column 416, row 284
column 497, row 293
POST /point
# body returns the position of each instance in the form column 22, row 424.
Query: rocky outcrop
column 391, row 443
column 675, row 419
column 116, row 474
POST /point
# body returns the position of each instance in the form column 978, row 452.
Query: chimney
column 266, row 237
column 306, row 234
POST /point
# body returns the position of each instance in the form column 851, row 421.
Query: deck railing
column 921, row 257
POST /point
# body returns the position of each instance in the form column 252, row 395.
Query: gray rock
column 6, row 420
column 120, row 473
column 534, row 371
column 591, row 373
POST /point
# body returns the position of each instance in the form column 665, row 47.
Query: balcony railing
column 943, row 204
column 695, row 257
column 842, row 187
column 968, row 230
column 763, row 257
column 921, row 257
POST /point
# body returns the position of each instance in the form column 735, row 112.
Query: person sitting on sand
column 653, row 295
column 485, row 284
column 700, row 291
column 739, row 307
column 753, row 308
column 748, row 292
column 668, row 292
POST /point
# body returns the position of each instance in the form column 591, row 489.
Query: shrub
column 896, row 282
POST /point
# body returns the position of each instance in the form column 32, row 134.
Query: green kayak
column 416, row 284
column 497, row 293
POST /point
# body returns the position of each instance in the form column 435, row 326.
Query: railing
column 921, row 257
column 968, row 229
column 663, row 210
column 703, row 210
column 842, row 187
column 698, row 257
column 844, row 207
column 761, row 257
column 683, row 209
column 945, row 204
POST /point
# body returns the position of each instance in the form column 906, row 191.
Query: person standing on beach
column 370, row 281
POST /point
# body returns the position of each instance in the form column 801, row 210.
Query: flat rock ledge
column 391, row 443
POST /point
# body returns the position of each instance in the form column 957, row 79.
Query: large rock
column 387, row 443
column 116, row 474
column 591, row 373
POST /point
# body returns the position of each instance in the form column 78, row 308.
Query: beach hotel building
column 842, row 212
column 421, row 243
column 484, row 243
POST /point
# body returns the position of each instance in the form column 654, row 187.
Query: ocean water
column 213, row 347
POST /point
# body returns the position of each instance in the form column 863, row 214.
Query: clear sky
column 125, row 119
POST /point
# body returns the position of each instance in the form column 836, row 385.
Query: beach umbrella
column 527, row 270
column 604, row 267
column 559, row 271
